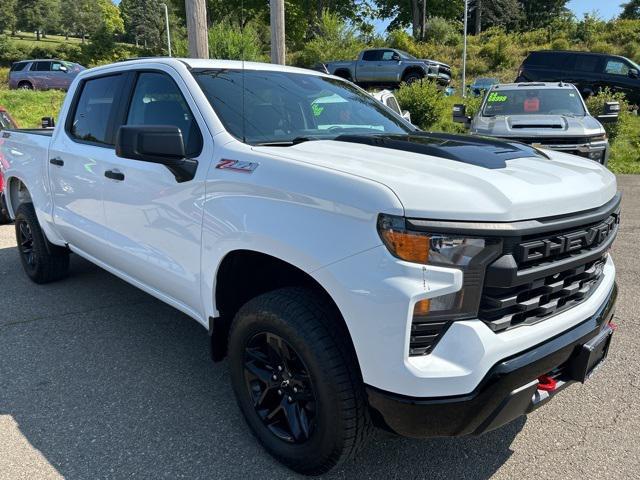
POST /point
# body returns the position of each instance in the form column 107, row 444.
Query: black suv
column 590, row 72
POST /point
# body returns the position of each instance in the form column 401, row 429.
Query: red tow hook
column 546, row 383
column 613, row 326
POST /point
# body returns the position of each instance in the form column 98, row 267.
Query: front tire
column 25, row 86
column 296, row 380
column 42, row 261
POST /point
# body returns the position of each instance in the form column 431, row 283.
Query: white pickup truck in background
column 355, row 270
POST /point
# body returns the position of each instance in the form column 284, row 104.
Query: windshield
column 532, row 101
column 405, row 55
column 634, row 64
column 280, row 107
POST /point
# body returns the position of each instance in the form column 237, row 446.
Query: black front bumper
column 509, row 390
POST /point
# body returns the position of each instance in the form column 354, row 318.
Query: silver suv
column 43, row 74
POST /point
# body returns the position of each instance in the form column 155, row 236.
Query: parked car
column 6, row 121
column 389, row 67
column 549, row 115
column 354, row 269
column 43, row 74
column 481, row 85
column 590, row 72
column 386, row 97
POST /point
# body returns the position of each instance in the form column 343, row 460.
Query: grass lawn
column 25, row 39
column 28, row 107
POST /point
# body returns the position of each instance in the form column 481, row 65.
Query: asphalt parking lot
column 99, row 380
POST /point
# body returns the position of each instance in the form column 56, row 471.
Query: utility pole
column 277, row 32
column 464, row 52
column 197, row 28
column 166, row 21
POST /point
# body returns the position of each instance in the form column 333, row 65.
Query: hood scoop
column 534, row 125
column 479, row 151
column 550, row 122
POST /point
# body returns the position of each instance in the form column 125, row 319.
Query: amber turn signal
column 407, row 246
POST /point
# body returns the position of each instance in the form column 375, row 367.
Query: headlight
column 467, row 253
column 599, row 138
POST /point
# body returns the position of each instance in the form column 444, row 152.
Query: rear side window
column 372, row 55
column 94, row 108
column 157, row 100
column 18, row 67
column 41, row 66
column 393, row 104
column 587, row 63
column 546, row 59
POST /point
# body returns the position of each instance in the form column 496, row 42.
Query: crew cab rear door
column 79, row 151
column 154, row 220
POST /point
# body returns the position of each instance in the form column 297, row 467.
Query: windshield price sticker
column 496, row 97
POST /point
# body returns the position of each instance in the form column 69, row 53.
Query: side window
column 616, row 67
column 93, row 109
column 18, row 67
column 157, row 100
column 40, row 66
column 371, row 56
column 387, row 55
column 587, row 63
column 392, row 103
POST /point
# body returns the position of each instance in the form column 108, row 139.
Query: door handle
column 57, row 161
column 113, row 175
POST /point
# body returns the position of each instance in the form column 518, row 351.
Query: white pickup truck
column 355, row 270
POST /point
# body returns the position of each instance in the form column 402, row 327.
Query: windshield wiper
column 286, row 143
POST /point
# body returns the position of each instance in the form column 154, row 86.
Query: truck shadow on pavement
column 106, row 381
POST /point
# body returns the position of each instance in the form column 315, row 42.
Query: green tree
column 8, row 16
column 630, row 10
column 541, row 13
column 408, row 13
column 144, row 23
column 501, row 13
column 80, row 17
column 33, row 15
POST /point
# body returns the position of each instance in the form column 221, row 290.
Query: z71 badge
column 237, row 166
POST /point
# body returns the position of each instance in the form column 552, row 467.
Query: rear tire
column 42, row 261
column 319, row 386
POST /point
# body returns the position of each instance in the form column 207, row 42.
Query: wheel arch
column 16, row 194
column 244, row 274
column 343, row 73
column 413, row 69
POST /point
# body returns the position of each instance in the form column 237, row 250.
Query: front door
column 155, row 221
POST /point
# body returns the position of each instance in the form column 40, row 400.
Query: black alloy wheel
column 25, row 244
column 278, row 382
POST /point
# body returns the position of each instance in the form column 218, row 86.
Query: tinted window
column 372, row 55
column 616, row 67
column 94, row 107
column 546, row 59
column 587, row 63
column 41, row 66
column 18, row 67
column 157, row 100
column 270, row 106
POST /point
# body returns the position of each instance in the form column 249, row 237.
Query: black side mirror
column 611, row 113
column 395, row 57
column 460, row 114
column 633, row 73
column 48, row 122
column 161, row 144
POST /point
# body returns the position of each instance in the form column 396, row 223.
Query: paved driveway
column 99, row 380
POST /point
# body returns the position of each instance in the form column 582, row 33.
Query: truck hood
column 454, row 177
column 537, row 126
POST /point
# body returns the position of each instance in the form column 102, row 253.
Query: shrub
column 595, row 104
column 336, row 41
column 231, row 42
column 425, row 101
column 443, row 31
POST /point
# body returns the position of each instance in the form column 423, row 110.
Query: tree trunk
column 478, row 17
column 38, row 34
column 197, row 28
column 415, row 19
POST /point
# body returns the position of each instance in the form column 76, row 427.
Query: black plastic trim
column 503, row 395
column 518, row 228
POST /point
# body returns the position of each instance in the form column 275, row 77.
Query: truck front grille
column 540, row 275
